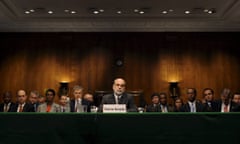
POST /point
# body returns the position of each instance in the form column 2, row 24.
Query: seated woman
column 178, row 102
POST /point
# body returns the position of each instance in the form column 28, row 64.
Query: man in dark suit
column 192, row 105
column 235, row 102
column 78, row 104
column 119, row 96
column 33, row 99
column 224, row 104
column 209, row 105
column 7, row 104
column 22, row 105
column 155, row 106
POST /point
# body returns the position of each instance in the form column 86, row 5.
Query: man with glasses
column 119, row 96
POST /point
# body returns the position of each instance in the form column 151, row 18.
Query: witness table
column 129, row 128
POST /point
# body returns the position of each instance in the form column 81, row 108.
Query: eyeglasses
column 120, row 85
column 49, row 94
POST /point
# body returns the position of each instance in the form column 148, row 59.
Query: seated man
column 63, row 102
column 209, row 105
column 235, row 104
column 7, row 104
column 155, row 106
column 78, row 104
column 33, row 99
column 89, row 98
column 22, row 105
column 119, row 96
column 192, row 105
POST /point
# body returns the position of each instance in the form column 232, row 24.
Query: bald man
column 22, row 105
column 119, row 96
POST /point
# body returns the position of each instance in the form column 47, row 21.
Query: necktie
column 118, row 99
column 35, row 107
column 225, row 109
column 20, row 108
column 5, row 107
column 163, row 108
column 192, row 108
column 76, row 107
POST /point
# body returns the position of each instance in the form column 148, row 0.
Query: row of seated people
column 119, row 96
column 37, row 103
column 227, row 103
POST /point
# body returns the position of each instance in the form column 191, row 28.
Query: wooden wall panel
column 151, row 60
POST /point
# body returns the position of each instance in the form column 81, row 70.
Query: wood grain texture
column 37, row 61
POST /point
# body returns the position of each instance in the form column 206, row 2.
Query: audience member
column 89, row 98
column 178, row 103
column 224, row 104
column 209, row 105
column 33, row 99
column 155, row 105
column 7, row 104
column 192, row 104
column 63, row 102
column 22, row 105
column 163, row 103
column 49, row 105
column 78, row 104
column 235, row 102
column 41, row 99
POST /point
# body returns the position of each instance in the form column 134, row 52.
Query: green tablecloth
column 131, row 128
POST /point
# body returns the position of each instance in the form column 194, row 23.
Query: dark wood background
column 37, row 61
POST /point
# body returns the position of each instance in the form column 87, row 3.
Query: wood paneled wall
column 151, row 60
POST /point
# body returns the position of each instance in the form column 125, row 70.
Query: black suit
column 154, row 108
column 84, row 102
column 12, row 105
column 124, row 99
column 26, row 108
column 233, row 106
column 211, row 106
column 186, row 107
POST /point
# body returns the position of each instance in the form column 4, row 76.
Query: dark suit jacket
column 35, row 106
column 186, row 107
column 84, row 102
column 125, row 99
column 212, row 107
column 152, row 108
column 233, row 106
column 27, row 108
column 158, row 108
column 12, row 105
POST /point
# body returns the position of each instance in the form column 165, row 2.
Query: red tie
column 225, row 109
column 20, row 108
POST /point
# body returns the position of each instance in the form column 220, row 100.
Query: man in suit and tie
column 192, row 105
column 119, row 96
column 22, row 105
column 33, row 99
column 78, row 104
column 63, row 103
column 7, row 104
column 225, row 104
column 155, row 106
column 209, row 105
